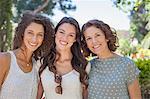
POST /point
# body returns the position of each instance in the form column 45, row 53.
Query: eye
column 71, row 35
column 29, row 32
column 61, row 32
column 41, row 35
column 98, row 35
column 88, row 38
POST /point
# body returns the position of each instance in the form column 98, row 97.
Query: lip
column 95, row 47
column 63, row 43
column 33, row 44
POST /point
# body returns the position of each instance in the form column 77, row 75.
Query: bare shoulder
column 4, row 56
column 4, row 60
column 4, row 66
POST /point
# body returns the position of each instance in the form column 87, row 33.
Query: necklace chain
column 24, row 60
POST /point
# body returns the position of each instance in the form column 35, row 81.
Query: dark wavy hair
column 27, row 18
column 109, row 33
column 78, row 61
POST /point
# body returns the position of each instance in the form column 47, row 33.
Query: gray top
column 19, row 85
column 109, row 78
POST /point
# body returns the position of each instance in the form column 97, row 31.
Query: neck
column 24, row 54
column 64, row 55
column 106, row 54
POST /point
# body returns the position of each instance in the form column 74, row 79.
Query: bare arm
column 134, row 90
column 4, row 67
column 40, row 90
column 84, row 92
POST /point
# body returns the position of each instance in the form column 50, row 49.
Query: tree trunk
column 41, row 7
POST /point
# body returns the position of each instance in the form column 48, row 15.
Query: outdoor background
column 130, row 18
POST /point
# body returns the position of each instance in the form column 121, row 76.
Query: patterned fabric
column 109, row 78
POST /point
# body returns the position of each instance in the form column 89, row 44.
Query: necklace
column 24, row 61
column 28, row 64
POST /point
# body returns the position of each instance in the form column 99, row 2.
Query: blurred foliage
column 22, row 5
column 5, row 24
column 128, row 48
column 139, row 13
column 18, row 7
column 144, row 77
column 146, row 41
column 124, row 47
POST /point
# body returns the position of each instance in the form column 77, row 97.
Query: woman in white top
column 18, row 74
column 63, row 73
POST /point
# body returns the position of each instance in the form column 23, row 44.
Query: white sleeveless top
column 19, row 85
column 71, row 85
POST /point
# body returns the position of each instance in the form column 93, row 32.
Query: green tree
column 5, row 24
column 37, row 6
column 42, row 6
column 139, row 13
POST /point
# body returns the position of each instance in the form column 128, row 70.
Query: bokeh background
column 130, row 18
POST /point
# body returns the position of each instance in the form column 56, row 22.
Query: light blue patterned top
column 109, row 78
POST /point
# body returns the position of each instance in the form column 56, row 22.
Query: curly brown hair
column 109, row 33
column 27, row 18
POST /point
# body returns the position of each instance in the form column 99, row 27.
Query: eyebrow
column 98, row 32
column 69, row 33
column 30, row 30
column 33, row 31
column 62, row 30
column 73, row 33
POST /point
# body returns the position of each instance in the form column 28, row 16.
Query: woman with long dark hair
column 63, row 74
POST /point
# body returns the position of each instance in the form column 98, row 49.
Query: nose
column 34, row 38
column 94, row 40
column 64, row 37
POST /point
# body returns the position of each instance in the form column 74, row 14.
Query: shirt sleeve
column 88, row 68
column 132, row 72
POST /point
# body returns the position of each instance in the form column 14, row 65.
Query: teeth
column 62, row 42
column 96, row 46
column 33, row 44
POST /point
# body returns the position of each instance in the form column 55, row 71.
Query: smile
column 97, row 46
column 63, row 43
column 33, row 44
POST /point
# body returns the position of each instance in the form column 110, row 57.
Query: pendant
column 28, row 64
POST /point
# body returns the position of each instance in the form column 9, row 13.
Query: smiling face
column 33, row 36
column 65, row 36
column 96, row 40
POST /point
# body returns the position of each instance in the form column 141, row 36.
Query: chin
column 32, row 49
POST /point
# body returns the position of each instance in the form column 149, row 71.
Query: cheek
column 41, row 40
column 25, row 39
column 73, row 40
column 57, row 37
column 89, row 44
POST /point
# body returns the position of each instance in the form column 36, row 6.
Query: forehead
column 93, row 30
column 35, row 26
column 67, row 27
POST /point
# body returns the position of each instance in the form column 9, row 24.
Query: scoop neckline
column 115, row 56
column 19, row 66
